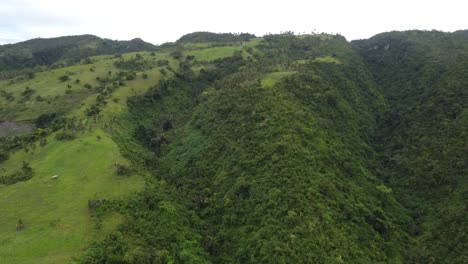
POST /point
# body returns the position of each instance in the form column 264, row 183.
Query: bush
column 24, row 174
column 27, row 92
column 31, row 75
column 64, row 135
column 46, row 120
column 4, row 156
column 93, row 110
column 64, row 78
column 122, row 169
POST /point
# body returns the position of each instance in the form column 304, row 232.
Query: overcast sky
column 165, row 21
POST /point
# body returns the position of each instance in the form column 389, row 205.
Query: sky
column 166, row 21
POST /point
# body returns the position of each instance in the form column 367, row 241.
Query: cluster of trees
column 422, row 136
column 361, row 161
column 248, row 172
column 201, row 37
column 24, row 174
column 106, row 86
column 25, row 57
column 137, row 63
column 8, row 96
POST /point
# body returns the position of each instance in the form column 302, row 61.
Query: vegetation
column 29, row 56
column 227, row 148
column 423, row 134
column 200, row 37
column 24, row 174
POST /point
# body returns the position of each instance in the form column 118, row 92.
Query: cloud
column 20, row 20
column 162, row 21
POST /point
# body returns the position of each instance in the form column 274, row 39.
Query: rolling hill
column 231, row 148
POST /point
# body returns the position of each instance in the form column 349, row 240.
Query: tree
column 4, row 156
column 64, row 78
column 19, row 225
column 31, row 75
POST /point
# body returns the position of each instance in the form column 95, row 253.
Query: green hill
column 29, row 56
column 227, row 148
column 423, row 135
column 204, row 37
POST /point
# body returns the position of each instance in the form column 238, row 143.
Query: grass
column 55, row 213
column 58, row 224
column 54, row 92
column 272, row 78
column 324, row 59
column 211, row 54
column 205, row 52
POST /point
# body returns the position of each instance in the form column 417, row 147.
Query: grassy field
column 57, row 222
column 324, row 59
column 272, row 78
column 211, row 54
column 58, row 225
column 57, row 95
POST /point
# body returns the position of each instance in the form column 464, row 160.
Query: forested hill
column 207, row 37
column 231, row 148
column 423, row 135
column 65, row 50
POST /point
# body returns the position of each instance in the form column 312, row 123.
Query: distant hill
column 46, row 52
column 200, row 37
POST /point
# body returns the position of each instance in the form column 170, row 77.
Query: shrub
column 93, row 110
column 19, row 225
column 31, row 75
column 24, row 174
column 162, row 63
column 4, row 156
column 64, row 135
column 27, row 92
column 64, row 78
column 122, row 169
column 45, row 120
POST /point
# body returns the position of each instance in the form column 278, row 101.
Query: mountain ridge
column 283, row 148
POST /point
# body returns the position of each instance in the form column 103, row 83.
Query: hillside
column 423, row 134
column 230, row 148
column 38, row 54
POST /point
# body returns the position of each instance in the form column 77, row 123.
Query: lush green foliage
column 423, row 134
column 281, row 149
column 201, row 37
column 267, row 171
column 17, row 58
column 24, row 174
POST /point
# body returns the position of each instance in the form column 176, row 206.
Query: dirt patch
column 11, row 128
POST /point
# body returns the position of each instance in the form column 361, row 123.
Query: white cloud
column 161, row 21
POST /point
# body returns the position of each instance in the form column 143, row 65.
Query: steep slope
column 423, row 135
column 226, row 148
column 273, row 173
column 69, row 110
